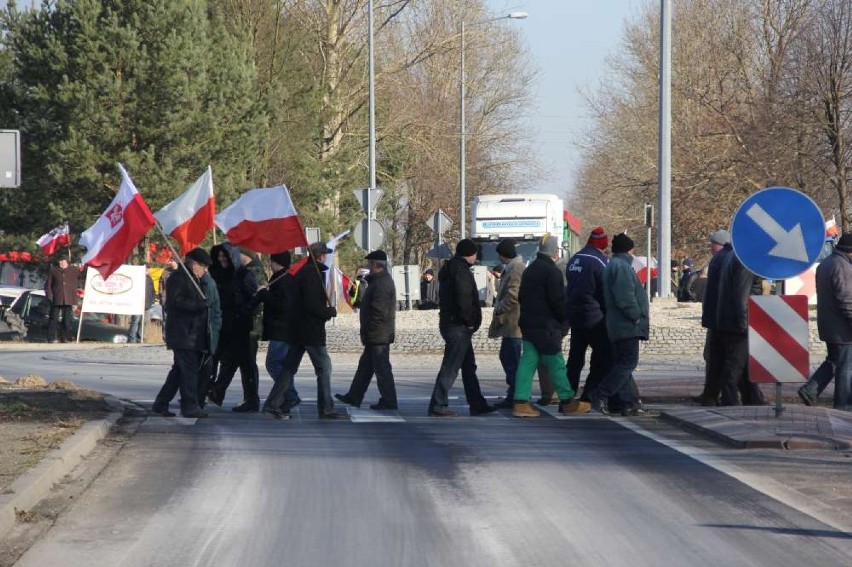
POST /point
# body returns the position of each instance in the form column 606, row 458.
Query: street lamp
column 462, row 192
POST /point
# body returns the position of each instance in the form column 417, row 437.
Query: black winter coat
column 275, row 304
column 458, row 296
column 709, row 307
column 378, row 310
column 736, row 284
column 307, row 305
column 584, row 291
column 247, row 306
column 186, row 321
column 544, row 320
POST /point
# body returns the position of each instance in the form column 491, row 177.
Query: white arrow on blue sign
column 778, row 233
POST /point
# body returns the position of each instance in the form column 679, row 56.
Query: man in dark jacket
column 459, row 317
column 686, row 286
column 275, row 298
column 309, row 312
column 378, row 323
column 627, row 322
column 736, row 284
column 834, row 322
column 585, row 305
column 241, row 350
column 61, row 292
column 187, row 336
column 714, row 351
column 428, row 290
column 543, row 323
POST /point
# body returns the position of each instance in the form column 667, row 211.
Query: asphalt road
column 247, row 490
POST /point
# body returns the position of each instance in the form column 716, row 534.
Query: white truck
column 526, row 217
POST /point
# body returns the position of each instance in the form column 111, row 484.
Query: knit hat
column 688, row 263
column 845, row 243
column 200, row 256
column 281, row 258
column 428, row 271
column 377, row 255
column 466, row 247
column 598, row 238
column 621, row 243
column 548, row 245
column 318, row 249
column 506, row 248
column 721, row 237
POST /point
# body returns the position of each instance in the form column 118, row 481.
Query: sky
column 569, row 41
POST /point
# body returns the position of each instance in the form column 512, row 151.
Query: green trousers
column 555, row 364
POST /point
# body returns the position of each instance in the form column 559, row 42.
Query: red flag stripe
column 192, row 233
column 764, row 325
column 268, row 236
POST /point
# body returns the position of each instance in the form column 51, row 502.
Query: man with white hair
column 378, row 321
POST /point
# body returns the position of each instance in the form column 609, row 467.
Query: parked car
column 32, row 310
column 8, row 294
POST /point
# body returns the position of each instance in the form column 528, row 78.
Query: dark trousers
column 60, row 312
column 184, row 377
column 618, row 381
column 714, row 367
column 601, row 359
column 837, row 366
column 322, row 367
column 374, row 360
column 240, row 352
column 735, row 372
column 276, row 356
column 458, row 355
column 510, row 356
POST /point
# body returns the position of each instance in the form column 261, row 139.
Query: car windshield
column 488, row 251
column 6, row 300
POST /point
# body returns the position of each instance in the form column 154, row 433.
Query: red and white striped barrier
column 778, row 338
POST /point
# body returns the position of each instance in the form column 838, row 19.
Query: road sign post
column 10, row 158
column 439, row 223
column 369, row 199
column 369, row 232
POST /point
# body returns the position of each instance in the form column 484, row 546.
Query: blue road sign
column 778, row 233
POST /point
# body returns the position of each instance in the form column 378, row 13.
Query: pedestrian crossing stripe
column 357, row 415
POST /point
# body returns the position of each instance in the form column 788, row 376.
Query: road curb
column 30, row 488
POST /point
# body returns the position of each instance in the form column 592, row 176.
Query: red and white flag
column 188, row 218
column 263, row 220
column 55, row 239
column 118, row 230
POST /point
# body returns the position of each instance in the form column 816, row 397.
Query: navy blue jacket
column 584, row 293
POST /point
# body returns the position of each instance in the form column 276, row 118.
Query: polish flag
column 263, row 220
column 118, row 230
column 55, row 239
column 345, row 285
column 188, row 218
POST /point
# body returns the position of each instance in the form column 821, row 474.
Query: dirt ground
column 34, row 421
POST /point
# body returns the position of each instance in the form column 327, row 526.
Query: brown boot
column 524, row 409
column 574, row 407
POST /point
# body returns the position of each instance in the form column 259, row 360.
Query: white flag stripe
column 257, row 205
column 771, row 359
column 785, row 316
column 187, row 204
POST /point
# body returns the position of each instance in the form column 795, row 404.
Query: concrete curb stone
column 31, row 487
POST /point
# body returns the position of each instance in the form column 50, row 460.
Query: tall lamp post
column 462, row 129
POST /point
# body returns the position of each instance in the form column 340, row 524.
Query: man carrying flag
column 118, row 230
column 55, row 239
column 188, row 218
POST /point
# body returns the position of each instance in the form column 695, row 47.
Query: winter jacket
column 686, row 286
column 709, row 305
column 275, row 300
column 187, row 319
column 834, row 298
column 458, row 295
column 625, row 301
column 378, row 310
column 736, row 284
column 61, row 286
column 307, row 305
column 584, row 291
column 429, row 294
column 214, row 311
column 248, row 308
column 507, row 310
column 543, row 319
column 164, row 277
column 226, row 284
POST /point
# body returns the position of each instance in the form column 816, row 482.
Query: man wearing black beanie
column 460, row 316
